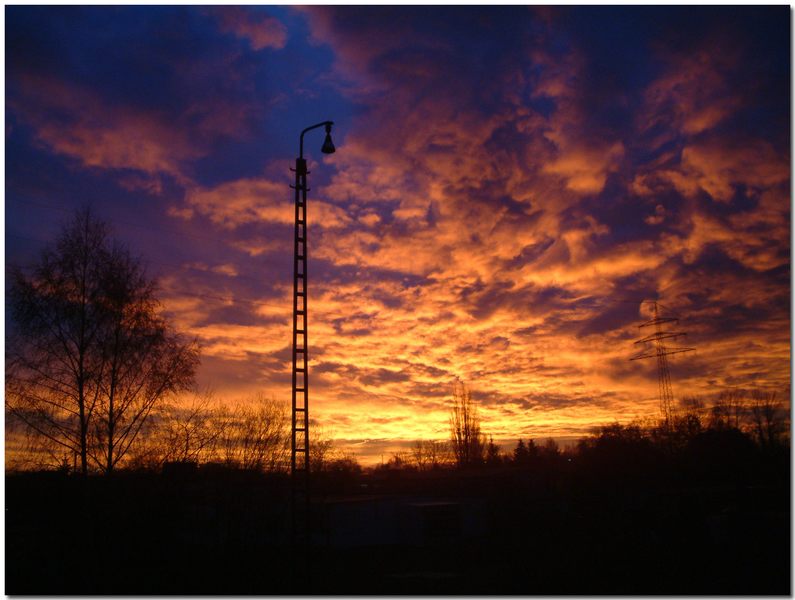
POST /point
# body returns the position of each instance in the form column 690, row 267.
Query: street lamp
column 299, row 459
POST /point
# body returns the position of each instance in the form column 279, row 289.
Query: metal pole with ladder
column 299, row 459
column 300, row 451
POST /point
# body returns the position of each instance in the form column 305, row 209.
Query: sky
column 512, row 186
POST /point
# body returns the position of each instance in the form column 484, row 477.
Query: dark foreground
column 500, row 530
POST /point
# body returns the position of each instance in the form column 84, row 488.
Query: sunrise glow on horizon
column 511, row 184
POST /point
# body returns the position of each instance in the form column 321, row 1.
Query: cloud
column 695, row 93
column 492, row 209
column 134, row 101
column 76, row 122
column 585, row 170
column 254, row 200
column 505, row 194
column 718, row 169
column 261, row 31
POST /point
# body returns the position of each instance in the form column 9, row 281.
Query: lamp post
column 299, row 458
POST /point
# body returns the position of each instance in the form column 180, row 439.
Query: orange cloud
column 585, row 170
column 100, row 135
column 255, row 200
column 717, row 168
column 474, row 245
column 261, row 31
column 477, row 224
column 694, row 95
column 78, row 122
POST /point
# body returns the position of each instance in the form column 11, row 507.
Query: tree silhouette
column 468, row 442
column 550, row 450
column 767, row 419
column 185, row 432
column 520, row 453
column 430, row 454
column 493, row 455
column 525, row 454
column 254, row 435
column 90, row 355
column 728, row 410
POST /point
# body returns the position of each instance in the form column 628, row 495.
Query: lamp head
column 328, row 145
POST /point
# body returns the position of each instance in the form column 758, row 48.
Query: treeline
column 737, row 420
column 255, row 435
column 252, row 435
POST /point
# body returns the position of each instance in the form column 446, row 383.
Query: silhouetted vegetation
column 696, row 505
column 251, row 435
column 89, row 356
column 468, row 443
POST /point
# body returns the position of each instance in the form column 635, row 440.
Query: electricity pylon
column 661, row 352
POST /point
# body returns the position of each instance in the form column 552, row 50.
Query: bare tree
column 25, row 449
column 188, row 431
column 399, row 461
column 430, row 454
column 254, row 435
column 728, row 410
column 321, row 449
column 467, row 441
column 145, row 360
column 89, row 354
column 53, row 362
column 767, row 418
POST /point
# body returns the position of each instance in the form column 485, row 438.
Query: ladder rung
column 300, row 349
column 300, row 257
column 300, row 369
column 300, row 239
column 300, row 390
column 300, row 429
column 300, row 449
column 301, row 331
column 301, row 275
column 299, row 409
column 300, row 222
column 300, row 312
column 300, row 294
